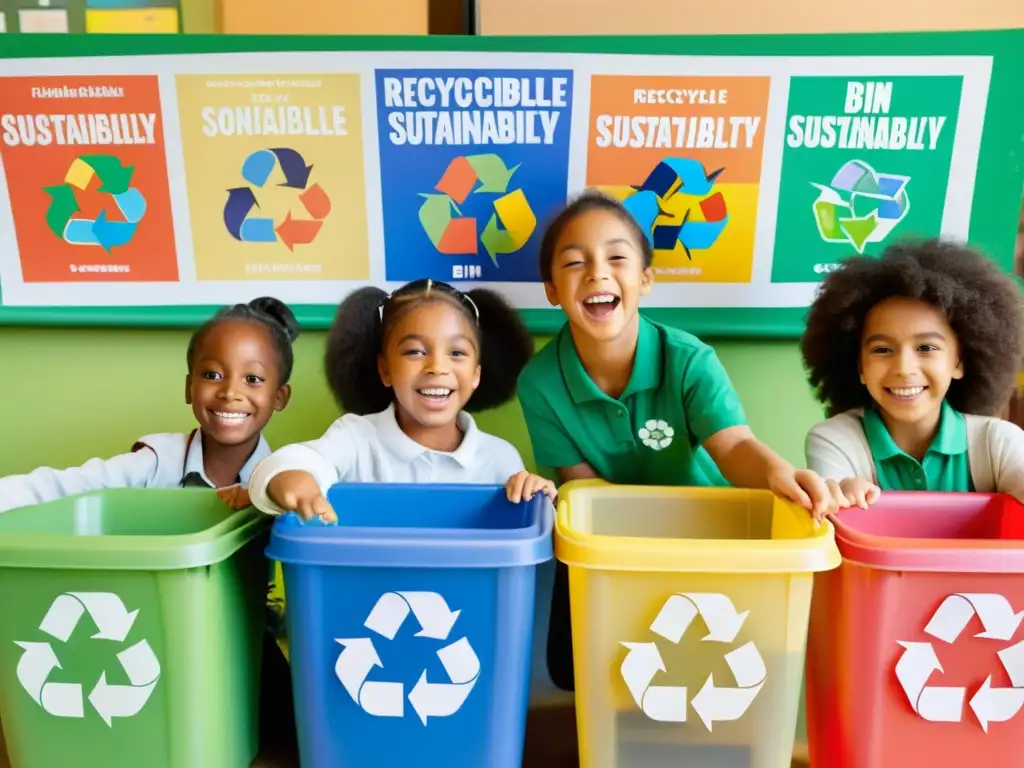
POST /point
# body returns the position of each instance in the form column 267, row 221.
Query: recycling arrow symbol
column 711, row 703
column 387, row 699
column 114, row 622
column 945, row 704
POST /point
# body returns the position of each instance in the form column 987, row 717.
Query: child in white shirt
column 407, row 368
column 239, row 363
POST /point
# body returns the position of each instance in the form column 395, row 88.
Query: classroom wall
column 70, row 394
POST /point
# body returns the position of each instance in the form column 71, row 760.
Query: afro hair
column 981, row 304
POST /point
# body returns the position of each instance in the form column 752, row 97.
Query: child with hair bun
column 913, row 354
column 408, row 368
column 238, row 366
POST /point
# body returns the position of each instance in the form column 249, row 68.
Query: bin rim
column 932, row 555
column 41, row 551
column 293, row 542
column 816, row 552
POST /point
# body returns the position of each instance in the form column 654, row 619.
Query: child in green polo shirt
column 617, row 396
column 913, row 354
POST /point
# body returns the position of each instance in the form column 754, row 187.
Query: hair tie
column 380, row 307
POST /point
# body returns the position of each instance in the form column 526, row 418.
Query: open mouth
column 436, row 396
column 905, row 393
column 601, row 305
column 230, row 418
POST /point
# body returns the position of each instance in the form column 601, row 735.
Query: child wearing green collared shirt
column 913, row 353
column 618, row 396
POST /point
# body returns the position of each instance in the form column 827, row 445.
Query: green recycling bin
column 131, row 630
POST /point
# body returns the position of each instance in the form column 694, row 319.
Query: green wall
column 70, row 395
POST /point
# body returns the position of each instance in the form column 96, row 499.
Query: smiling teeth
column 231, row 416
column 435, row 392
column 605, row 299
column 906, row 391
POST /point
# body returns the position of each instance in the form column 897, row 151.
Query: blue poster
column 473, row 164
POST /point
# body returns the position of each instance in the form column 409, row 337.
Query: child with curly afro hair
column 913, row 354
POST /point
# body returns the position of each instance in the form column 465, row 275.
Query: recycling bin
column 132, row 630
column 689, row 611
column 916, row 655
column 410, row 624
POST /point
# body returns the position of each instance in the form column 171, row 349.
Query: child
column 617, row 396
column 239, row 363
column 406, row 367
column 913, row 354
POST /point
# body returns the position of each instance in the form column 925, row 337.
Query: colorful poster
column 274, row 167
column 472, row 163
column 87, row 175
column 684, row 155
column 864, row 162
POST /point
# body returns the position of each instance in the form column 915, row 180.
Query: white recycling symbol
column 712, row 704
column 387, row 699
column 945, row 704
column 114, row 622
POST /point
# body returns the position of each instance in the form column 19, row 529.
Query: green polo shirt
column 945, row 466
column 677, row 397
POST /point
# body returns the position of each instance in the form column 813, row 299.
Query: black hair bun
column 279, row 312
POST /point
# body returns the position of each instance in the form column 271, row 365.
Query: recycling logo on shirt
column 668, row 704
column 945, row 704
column 656, row 434
column 381, row 698
column 114, row 622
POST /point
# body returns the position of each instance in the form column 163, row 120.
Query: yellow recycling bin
column 689, row 622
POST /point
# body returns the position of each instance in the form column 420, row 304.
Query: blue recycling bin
column 410, row 624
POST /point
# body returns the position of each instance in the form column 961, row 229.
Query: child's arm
column 746, row 462
column 1006, row 451
column 129, row 470
column 718, row 422
column 824, row 455
column 296, row 477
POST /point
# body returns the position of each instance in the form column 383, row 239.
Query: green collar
column 646, row 365
column 951, row 439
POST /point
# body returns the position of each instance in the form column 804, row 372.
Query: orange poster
column 684, row 156
column 87, row 176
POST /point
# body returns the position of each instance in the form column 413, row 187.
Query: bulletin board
column 147, row 180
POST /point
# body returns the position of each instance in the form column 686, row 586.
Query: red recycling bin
column 915, row 655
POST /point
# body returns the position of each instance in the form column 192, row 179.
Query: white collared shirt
column 374, row 449
column 167, row 460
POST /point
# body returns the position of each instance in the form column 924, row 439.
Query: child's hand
column 522, row 485
column 298, row 491
column 855, row 491
column 803, row 487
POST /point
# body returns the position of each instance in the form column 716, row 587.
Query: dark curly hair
column 981, row 304
column 366, row 316
column 587, row 201
column 273, row 314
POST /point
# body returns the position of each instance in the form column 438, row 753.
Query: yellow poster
column 274, row 166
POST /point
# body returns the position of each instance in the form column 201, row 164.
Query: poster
column 86, row 176
column 195, row 177
column 472, row 163
column 274, row 166
column 684, row 156
column 864, row 162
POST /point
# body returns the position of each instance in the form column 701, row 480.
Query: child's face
column 234, row 385
column 909, row 355
column 432, row 363
column 598, row 274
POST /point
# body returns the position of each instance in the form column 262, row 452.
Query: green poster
column 865, row 161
